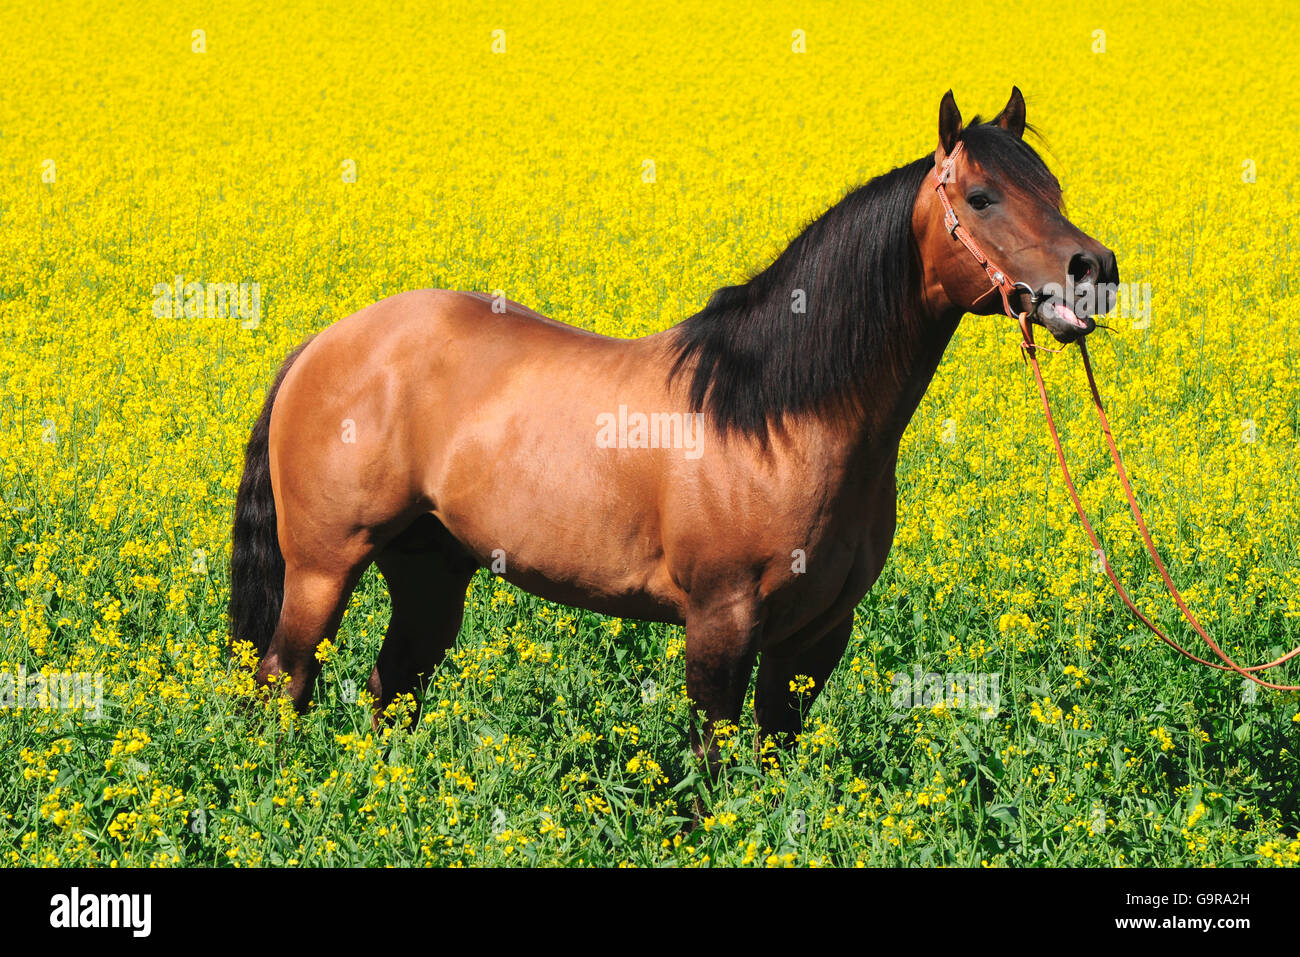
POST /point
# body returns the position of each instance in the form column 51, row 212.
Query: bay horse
column 437, row 432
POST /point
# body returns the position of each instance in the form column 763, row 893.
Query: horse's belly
column 573, row 570
column 600, row 597
column 592, row 544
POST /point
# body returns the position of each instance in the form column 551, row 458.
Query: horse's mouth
column 1062, row 321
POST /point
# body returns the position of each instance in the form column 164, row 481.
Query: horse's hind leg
column 427, row 572
column 314, row 602
column 778, row 709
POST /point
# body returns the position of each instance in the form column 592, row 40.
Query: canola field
column 611, row 165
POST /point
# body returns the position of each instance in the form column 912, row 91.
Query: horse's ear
column 1012, row 117
column 949, row 123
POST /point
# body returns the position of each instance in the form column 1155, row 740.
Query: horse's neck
column 890, row 397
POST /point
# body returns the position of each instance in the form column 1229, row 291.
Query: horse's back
column 472, row 320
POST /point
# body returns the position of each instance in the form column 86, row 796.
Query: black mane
column 755, row 360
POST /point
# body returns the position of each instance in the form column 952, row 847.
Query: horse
column 734, row 474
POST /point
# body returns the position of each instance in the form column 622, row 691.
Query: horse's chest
column 836, row 567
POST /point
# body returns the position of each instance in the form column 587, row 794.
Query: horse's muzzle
column 1061, row 321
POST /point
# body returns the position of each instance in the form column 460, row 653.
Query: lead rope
column 1002, row 283
column 1029, row 349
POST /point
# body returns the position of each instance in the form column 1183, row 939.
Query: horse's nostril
column 1083, row 268
column 1110, row 269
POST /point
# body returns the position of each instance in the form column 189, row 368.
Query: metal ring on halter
column 1028, row 290
column 1023, row 317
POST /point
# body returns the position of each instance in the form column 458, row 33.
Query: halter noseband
column 997, row 276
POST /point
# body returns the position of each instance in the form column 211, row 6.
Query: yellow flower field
column 610, row 165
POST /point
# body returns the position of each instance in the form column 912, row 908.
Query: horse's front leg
column 721, row 643
column 790, row 677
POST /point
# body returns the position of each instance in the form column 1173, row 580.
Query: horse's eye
column 979, row 201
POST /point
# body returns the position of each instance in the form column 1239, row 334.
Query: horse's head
column 1004, row 206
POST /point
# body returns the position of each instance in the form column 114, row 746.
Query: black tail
column 256, row 565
